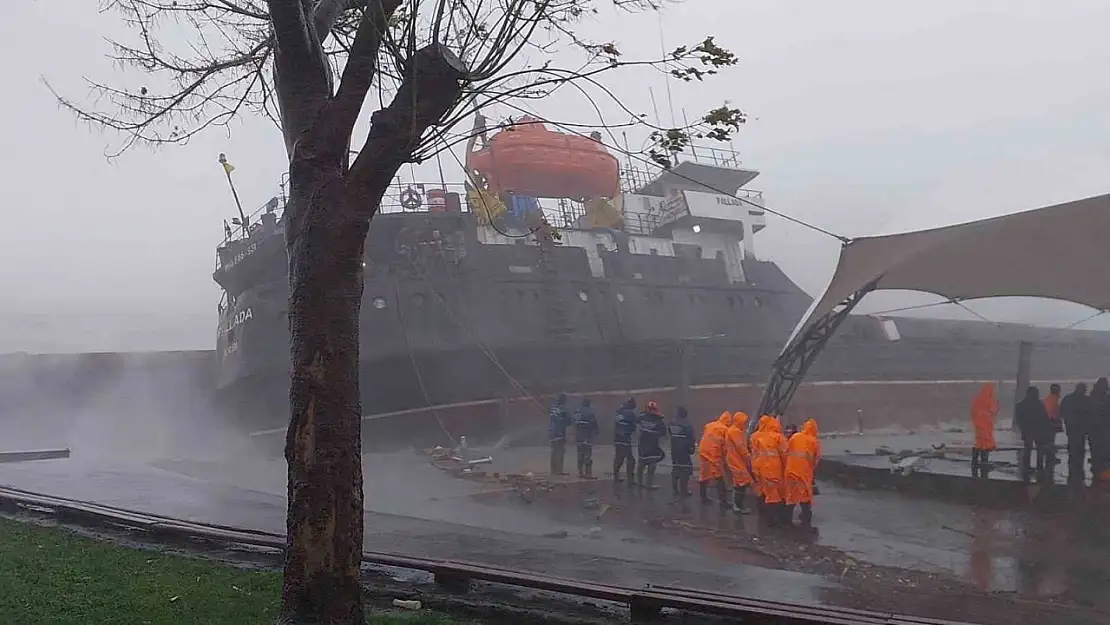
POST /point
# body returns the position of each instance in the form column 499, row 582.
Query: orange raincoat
column 803, row 452
column 736, row 450
column 711, row 448
column 984, row 408
column 768, row 457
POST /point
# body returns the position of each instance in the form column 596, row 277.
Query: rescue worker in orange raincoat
column 738, row 460
column 803, row 452
column 768, row 447
column 1052, row 407
column 711, row 457
column 984, row 408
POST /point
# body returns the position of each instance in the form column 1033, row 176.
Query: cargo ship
column 555, row 267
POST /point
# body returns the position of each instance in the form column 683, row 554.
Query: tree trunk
column 323, row 447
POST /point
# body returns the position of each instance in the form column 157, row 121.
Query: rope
column 416, row 367
column 477, row 339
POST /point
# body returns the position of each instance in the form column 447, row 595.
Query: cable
column 477, row 339
column 906, row 308
column 416, row 367
column 843, row 239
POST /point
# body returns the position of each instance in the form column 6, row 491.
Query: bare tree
column 310, row 66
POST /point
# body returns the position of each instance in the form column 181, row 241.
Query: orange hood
column 986, row 392
column 725, row 419
column 768, row 423
column 810, row 427
column 740, row 420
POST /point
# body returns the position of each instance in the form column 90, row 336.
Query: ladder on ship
column 556, row 323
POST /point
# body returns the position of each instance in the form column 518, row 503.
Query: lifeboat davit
column 528, row 159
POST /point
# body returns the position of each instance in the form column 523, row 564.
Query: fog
column 867, row 116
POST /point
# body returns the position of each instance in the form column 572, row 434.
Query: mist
column 866, row 117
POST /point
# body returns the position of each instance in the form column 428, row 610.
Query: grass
column 53, row 576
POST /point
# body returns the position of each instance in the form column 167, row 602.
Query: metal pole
column 234, row 194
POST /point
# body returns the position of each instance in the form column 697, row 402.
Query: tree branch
column 434, row 81
column 302, row 76
column 327, row 13
column 362, row 63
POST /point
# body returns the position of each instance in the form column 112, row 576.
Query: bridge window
column 582, row 295
column 379, row 303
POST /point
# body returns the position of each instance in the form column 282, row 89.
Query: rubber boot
column 738, row 496
column 806, row 517
column 631, row 471
column 589, row 470
column 703, row 488
column 722, row 493
column 639, row 475
column 788, row 515
column 675, row 481
column 650, row 484
column 684, row 486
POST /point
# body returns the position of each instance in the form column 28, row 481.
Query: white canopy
column 1059, row 252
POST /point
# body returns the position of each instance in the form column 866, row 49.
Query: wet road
column 413, row 509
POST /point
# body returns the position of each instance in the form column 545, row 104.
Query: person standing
column 623, row 430
column 803, row 452
column 652, row 431
column 984, row 409
column 1052, row 407
column 1075, row 414
column 738, row 460
column 681, row 434
column 1032, row 422
column 711, row 457
column 585, row 433
column 1098, row 431
column 558, row 422
column 768, row 447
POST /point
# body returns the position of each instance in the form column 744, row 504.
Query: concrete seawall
column 44, row 396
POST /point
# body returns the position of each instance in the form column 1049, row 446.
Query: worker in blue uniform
column 558, row 422
column 623, row 430
column 585, row 433
column 652, row 431
column 681, row 434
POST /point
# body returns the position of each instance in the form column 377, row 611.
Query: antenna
column 667, row 80
column 654, row 107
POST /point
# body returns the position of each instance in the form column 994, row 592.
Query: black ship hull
column 437, row 341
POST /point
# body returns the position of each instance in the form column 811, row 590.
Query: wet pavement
column 414, row 508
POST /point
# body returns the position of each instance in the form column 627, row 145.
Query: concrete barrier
column 40, row 454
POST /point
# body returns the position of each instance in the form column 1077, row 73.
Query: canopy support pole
column 789, row 369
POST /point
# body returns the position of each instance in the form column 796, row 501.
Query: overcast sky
column 869, row 116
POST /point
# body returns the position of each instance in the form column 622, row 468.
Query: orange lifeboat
column 529, row 159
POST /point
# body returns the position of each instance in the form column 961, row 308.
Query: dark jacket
column 682, row 436
column 558, row 419
column 1098, row 426
column 625, row 425
column 1075, row 412
column 585, row 424
column 1032, row 420
column 652, row 430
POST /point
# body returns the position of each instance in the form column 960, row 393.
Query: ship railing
column 638, row 176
